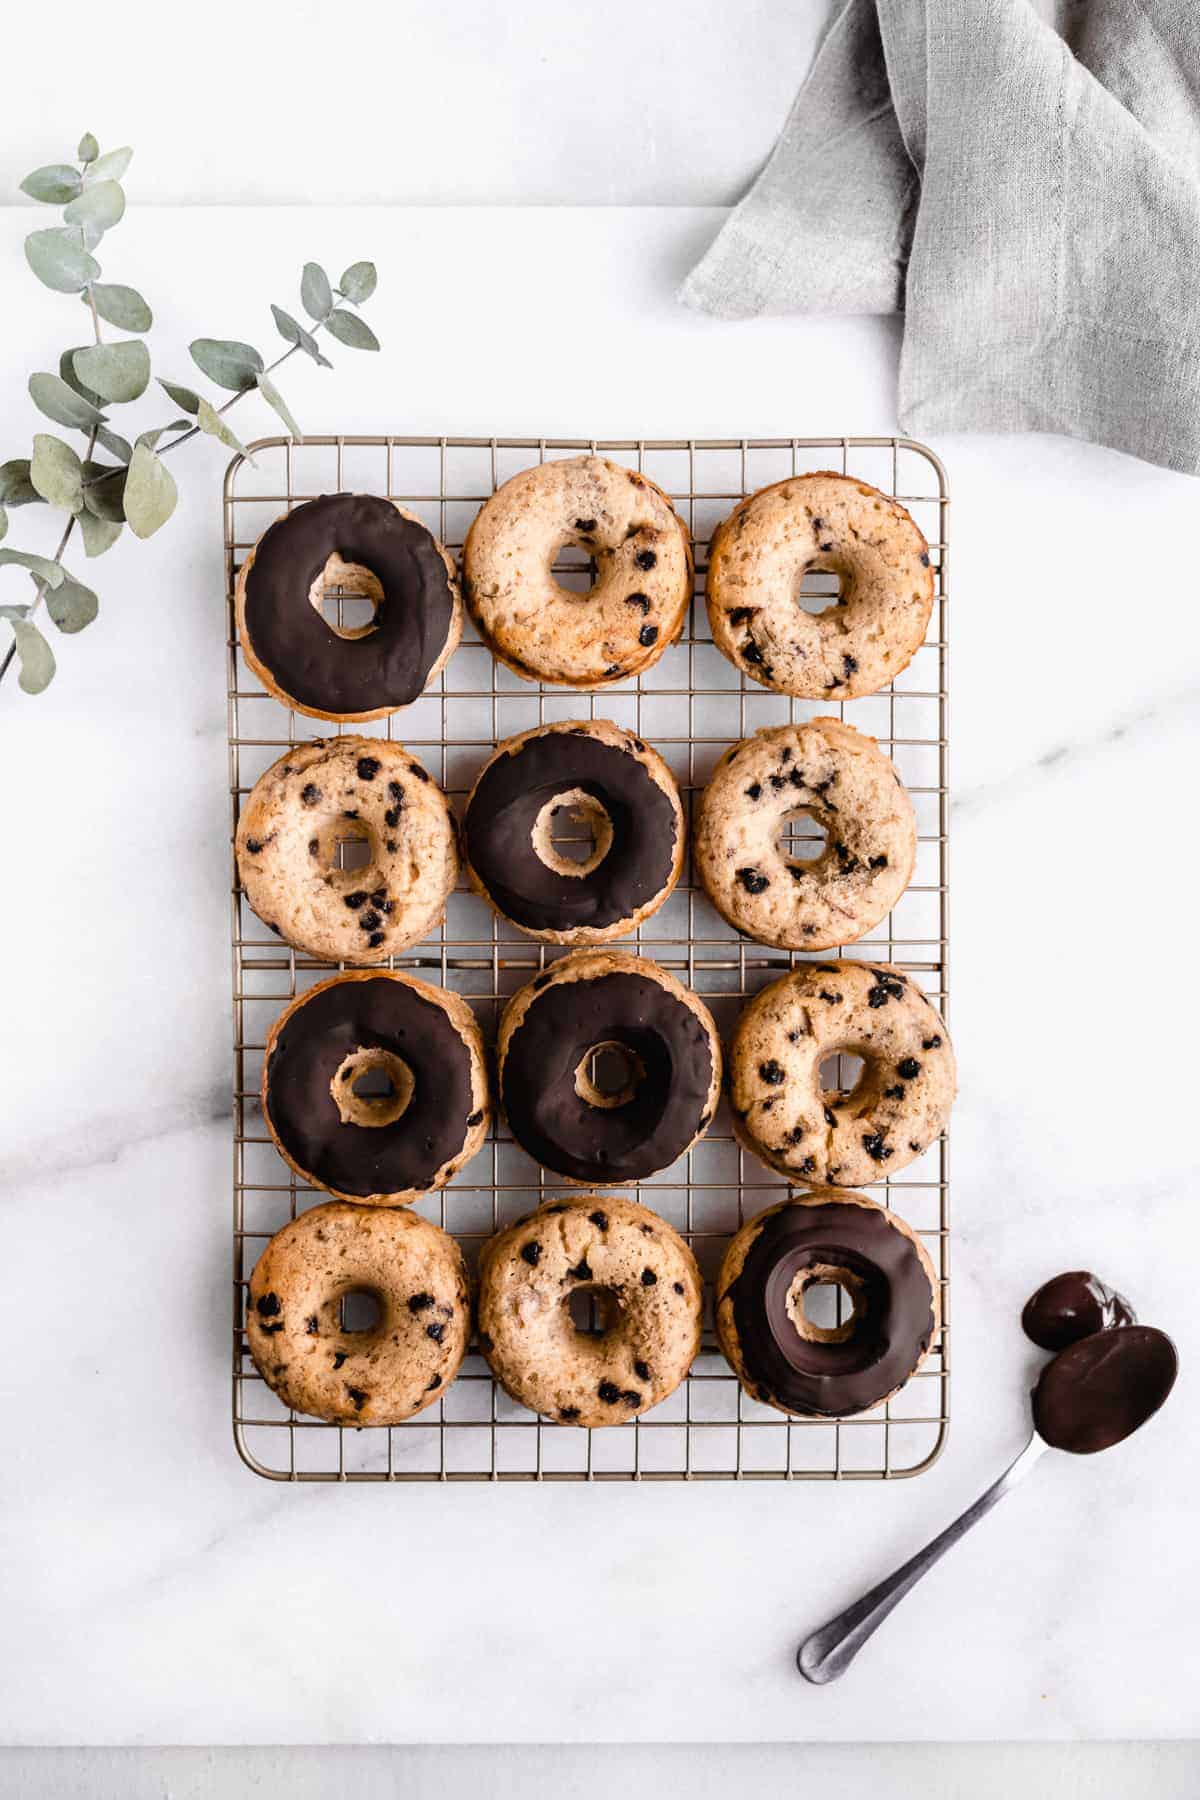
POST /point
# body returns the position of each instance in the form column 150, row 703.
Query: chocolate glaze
column 615, row 1143
column 369, row 1159
column 1073, row 1306
column 1100, row 1389
column 504, row 807
column 310, row 662
column 891, row 1333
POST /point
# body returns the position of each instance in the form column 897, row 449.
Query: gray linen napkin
column 1026, row 189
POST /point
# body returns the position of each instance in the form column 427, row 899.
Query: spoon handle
column 829, row 1652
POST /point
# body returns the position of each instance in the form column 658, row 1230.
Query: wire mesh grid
column 690, row 706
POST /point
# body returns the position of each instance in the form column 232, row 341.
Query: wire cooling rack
column 690, row 706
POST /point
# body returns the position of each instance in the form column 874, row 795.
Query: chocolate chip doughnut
column 648, row 1295
column 368, row 546
column 643, row 586
column 841, row 780
column 389, row 1149
column 760, row 554
column 323, row 793
column 595, row 774
column 402, row 1363
column 903, row 1097
column 665, row 1036
column 826, row 1238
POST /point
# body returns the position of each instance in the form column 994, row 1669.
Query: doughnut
column 643, row 586
column 600, row 776
column 607, row 1000
column 325, row 792
column 842, row 781
column 400, row 1364
column 388, row 1149
column 371, row 547
column 826, row 1238
column 901, row 1103
column 647, row 1292
column 760, row 554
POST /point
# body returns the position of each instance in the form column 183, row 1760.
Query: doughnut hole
column 359, row 1312
column 825, row 1303
column 824, row 584
column 573, row 566
column 345, row 849
column 841, row 1076
column 572, row 833
column 593, row 1310
column 348, row 597
column 802, row 838
column 372, row 1087
column 608, row 1075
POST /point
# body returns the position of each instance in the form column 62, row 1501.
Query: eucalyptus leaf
column 16, row 489
column 112, row 165
column 44, row 567
column 91, row 232
column 72, row 606
column 182, row 396
column 114, row 443
column 37, row 658
column 66, row 370
column 3, row 524
column 56, row 472
column 54, row 184
column 98, row 534
column 150, row 493
column 117, row 372
column 315, row 292
column 275, row 399
column 292, row 332
column 101, row 204
column 228, row 363
column 122, row 306
column 358, row 283
column 150, row 438
column 210, row 421
column 349, row 329
column 88, row 149
column 14, row 612
column 104, row 491
column 51, row 395
column 58, row 260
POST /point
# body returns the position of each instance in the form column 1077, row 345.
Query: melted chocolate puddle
column 1102, row 1388
column 1073, row 1306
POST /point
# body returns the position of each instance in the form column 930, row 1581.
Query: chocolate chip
column 648, row 635
column 351, row 812
column 678, row 1286
column 391, row 817
column 436, row 1331
column 379, row 897
column 310, row 794
column 339, row 1357
column 269, row 1305
column 613, row 669
column 924, row 559
column 270, row 1330
column 875, row 1147
column 581, row 1271
column 649, row 1278
column 313, row 846
column 910, row 1068
column 311, row 1325
column 886, row 988
column 531, row 1253
column 828, row 546
column 474, row 1118
column 795, row 1134
column 893, row 1093
column 609, row 1392
column 830, row 1118
column 641, row 601
column 740, row 614
column 585, row 525
column 391, row 846
column 753, row 881
column 808, row 1165
column 358, row 1397
column 847, row 861
column 645, row 559
column 397, row 792
column 818, row 524
column 370, row 921
column 253, row 846
column 771, row 1072
column 420, row 773
column 793, row 1037
column 752, row 654
column 420, row 1302
column 767, row 1105
column 830, row 999
column 931, row 1043
column 850, row 666
column 435, row 1383
column 374, row 941
column 641, row 1370
column 630, row 1398
column 599, row 1220
column 754, row 791
column 355, row 900
column 569, row 1412
column 878, row 862
column 368, row 767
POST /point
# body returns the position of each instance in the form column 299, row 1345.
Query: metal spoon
column 829, row 1652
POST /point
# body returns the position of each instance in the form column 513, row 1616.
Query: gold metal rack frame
column 691, row 705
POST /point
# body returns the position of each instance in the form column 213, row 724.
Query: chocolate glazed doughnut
column 389, row 1149
column 370, row 546
column 600, row 775
column 593, row 1000
column 826, row 1237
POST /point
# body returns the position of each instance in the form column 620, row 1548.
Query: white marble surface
column 154, row 1590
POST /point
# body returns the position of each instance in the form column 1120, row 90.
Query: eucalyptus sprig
column 133, row 486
